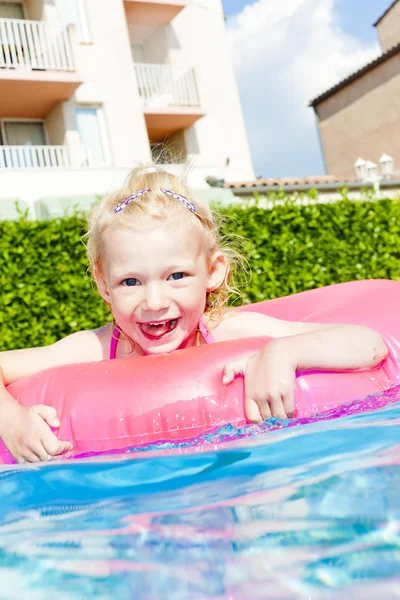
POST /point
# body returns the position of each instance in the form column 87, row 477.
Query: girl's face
column 156, row 282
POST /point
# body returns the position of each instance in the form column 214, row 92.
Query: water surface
column 282, row 511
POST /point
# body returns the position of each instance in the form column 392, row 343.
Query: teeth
column 171, row 322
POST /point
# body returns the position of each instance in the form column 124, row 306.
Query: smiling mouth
column 155, row 330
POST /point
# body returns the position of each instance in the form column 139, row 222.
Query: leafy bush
column 299, row 247
column 46, row 291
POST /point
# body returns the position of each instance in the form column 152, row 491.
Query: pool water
column 285, row 510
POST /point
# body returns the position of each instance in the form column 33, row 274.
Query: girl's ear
column 217, row 271
column 101, row 283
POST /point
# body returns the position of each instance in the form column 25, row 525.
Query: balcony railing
column 35, row 45
column 34, row 157
column 163, row 85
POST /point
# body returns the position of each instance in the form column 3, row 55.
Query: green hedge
column 45, row 289
column 46, row 292
column 299, row 247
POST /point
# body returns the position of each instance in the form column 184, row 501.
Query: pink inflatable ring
column 116, row 404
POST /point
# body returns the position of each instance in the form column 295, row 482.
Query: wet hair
column 157, row 207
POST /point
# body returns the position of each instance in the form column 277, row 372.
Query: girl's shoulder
column 85, row 346
column 79, row 347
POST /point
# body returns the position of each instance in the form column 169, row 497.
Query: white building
column 90, row 88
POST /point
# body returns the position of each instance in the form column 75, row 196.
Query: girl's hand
column 27, row 435
column 269, row 382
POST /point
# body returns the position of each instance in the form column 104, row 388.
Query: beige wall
column 34, row 9
column 362, row 119
column 40, row 10
column 55, row 126
column 389, row 28
column 156, row 47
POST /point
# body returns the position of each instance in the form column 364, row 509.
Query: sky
column 285, row 53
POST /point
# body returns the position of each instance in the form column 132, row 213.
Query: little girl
column 160, row 266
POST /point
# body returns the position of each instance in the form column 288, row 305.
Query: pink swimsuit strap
column 208, row 338
column 114, row 342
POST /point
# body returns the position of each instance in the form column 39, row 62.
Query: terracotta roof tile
column 338, row 86
column 312, row 180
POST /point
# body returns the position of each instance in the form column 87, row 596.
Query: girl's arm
column 334, row 348
column 270, row 373
column 26, row 431
column 83, row 346
column 237, row 325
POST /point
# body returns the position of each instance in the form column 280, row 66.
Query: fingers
column 261, row 409
column 53, row 446
column 43, row 451
column 33, row 440
column 46, row 447
column 27, row 456
column 277, row 408
column 252, row 411
column 231, row 370
column 64, row 446
column 48, row 414
column 288, row 403
column 32, row 455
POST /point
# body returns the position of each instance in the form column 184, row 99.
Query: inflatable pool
column 117, row 404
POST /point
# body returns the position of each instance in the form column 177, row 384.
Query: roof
column 342, row 84
column 385, row 13
column 324, row 183
column 287, row 181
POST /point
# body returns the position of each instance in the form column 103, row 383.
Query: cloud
column 286, row 52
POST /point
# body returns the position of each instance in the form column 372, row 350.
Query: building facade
column 91, row 88
column 360, row 115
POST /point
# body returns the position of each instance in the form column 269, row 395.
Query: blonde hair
column 158, row 206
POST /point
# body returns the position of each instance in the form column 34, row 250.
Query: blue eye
column 178, row 276
column 130, row 282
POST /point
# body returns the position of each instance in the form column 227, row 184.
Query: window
column 11, row 10
column 92, row 134
column 27, row 134
column 10, row 48
column 73, row 12
column 23, row 133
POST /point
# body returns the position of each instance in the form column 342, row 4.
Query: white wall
column 33, row 184
column 197, row 37
column 106, row 68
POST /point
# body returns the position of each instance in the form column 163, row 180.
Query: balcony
column 170, row 98
column 36, row 67
column 34, row 157
column 144, row 17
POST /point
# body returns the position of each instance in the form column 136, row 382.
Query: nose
column 155, row 298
